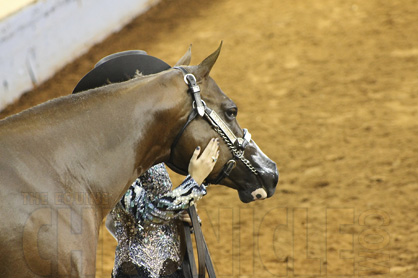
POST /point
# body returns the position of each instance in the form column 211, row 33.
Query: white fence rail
column 45, row 35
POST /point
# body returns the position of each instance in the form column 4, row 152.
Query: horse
column 65, row 163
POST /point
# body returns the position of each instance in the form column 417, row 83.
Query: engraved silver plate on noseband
column 236, row 145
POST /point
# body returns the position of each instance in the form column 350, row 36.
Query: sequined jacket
column 145, row 227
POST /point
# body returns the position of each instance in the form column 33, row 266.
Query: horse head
column 241, row 164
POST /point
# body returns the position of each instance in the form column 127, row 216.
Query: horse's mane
column 62, row 101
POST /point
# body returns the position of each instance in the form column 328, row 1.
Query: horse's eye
column 231, row 113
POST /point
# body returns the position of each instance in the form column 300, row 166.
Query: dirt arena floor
column 329, row 90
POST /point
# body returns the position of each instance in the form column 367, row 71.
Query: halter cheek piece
column 236, row 145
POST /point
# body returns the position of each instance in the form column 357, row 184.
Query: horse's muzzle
column 267, row 182
column 270, row 182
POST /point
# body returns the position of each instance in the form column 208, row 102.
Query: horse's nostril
column 259, row 194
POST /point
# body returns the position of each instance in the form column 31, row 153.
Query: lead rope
column 203, row 255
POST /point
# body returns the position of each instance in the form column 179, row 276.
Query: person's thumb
column 196, row 153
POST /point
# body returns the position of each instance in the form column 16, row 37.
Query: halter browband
column 236, row 145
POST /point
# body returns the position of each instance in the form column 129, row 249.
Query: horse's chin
column 247, row 196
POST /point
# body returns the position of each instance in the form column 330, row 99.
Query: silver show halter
column 236, row 145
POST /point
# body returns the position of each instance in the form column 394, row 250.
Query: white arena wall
column 40, row 37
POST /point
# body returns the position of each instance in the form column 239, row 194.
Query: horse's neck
column 127, row 135
column 99, row 142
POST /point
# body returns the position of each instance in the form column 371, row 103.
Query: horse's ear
column 204, row 67
column 185, row 60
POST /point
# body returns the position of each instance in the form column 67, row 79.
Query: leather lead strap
column 189, row 264
column 200, row 242
column 204, row 259
column 208, row 260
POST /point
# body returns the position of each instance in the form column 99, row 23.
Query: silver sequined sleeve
column 150, row 200
column 172, row 203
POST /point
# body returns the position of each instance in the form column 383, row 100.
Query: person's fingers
column 210, row 149
column 215, row 158
column 214, row 153
column 206, row 150
column 216, row 149
column 184, row 216
column 215, row 146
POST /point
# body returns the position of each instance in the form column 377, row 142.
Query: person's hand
column 201, row 166
column 185, row 217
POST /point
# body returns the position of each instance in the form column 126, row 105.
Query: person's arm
column 149, row 209
column 172, row 203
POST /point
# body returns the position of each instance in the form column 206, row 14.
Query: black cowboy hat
column 118, row 67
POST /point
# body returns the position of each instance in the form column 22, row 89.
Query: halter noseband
column 236, row 145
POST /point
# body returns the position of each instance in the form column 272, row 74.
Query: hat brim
column 119, row 67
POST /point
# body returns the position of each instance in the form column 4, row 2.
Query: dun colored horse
column 65, row 163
